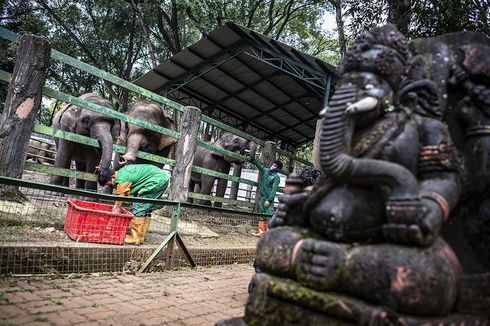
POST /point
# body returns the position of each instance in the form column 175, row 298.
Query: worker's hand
column 267, row 204
column 115, row 209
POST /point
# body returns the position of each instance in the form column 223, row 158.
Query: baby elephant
column 208, row 159
column 138, row 138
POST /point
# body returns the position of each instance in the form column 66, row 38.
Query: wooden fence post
column 184, row 155
column 268, row 156
column 22, row 104
column 237, row 172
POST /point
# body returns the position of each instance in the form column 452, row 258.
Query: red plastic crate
column 94, row 222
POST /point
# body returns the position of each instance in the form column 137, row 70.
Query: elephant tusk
column 366, row 104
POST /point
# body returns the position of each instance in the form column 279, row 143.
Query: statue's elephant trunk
column 336, row 134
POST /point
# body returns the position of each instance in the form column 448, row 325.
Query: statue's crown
column 383, row 51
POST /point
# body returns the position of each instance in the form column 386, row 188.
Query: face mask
column 274, row 168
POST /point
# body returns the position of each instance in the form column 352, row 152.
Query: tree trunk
column 268, row 156
column 21, row 106
column 340, row 26
column 316, row 144
column 186, row 148
column 237, row 172
column 399, row 13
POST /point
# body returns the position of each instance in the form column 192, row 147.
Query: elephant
column 88, row 123
column 138, row 138
column 41, row 152
column 208, row 159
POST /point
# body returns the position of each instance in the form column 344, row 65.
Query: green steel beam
column 52, row 170
column 48, row 131
column 157, row 251
column 79, row 192
column 220, row 200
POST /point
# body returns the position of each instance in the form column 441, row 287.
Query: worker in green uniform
column 143, row 181
column 267, row 191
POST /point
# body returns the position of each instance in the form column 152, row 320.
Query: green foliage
column 425, row 18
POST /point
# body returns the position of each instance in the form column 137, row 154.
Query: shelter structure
column 248, row 81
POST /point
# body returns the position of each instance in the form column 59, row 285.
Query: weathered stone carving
column 405, row 149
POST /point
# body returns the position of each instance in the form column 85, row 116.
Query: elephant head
column 370, row 74
column 91, row 124
column 137, row 138
column 237, row 145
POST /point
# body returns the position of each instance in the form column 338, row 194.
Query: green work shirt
column 270, row 182
column 140, row 179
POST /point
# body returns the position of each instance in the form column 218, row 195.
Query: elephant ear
column 66, row 118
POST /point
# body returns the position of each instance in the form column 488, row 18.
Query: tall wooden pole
column 22, row 104
column 184, row 155
column 268, row 156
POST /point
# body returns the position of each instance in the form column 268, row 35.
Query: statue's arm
column 439, row 187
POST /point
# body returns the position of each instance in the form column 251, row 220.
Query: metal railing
column 117, row 115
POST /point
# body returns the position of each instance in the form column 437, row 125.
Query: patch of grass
column 55, row 302
column 3, row 298
column 40, row 319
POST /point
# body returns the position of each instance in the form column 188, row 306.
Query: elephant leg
column 62, row 160
column 192, row 184
column 81, row 167
column 207, row 183
column 220, row 191
column 90, row 168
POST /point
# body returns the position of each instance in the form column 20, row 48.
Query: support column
column 184, row 155
column 291, row 165
column 268, row 156
column 22, row 104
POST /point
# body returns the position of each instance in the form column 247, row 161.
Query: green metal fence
column 119, row 149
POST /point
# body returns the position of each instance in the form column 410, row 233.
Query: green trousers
column 141, row 209
column 265, row 210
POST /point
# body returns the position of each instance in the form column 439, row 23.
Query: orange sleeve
column 123, row 188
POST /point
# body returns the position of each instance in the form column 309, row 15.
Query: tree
column 422, row 18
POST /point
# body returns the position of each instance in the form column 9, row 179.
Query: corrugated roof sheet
column 249, row 81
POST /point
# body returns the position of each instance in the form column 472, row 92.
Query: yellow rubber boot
column 146, row 225
column 136, row 230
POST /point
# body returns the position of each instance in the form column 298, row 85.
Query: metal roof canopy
column 248, row 81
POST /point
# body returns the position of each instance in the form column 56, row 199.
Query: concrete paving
column 183, row 297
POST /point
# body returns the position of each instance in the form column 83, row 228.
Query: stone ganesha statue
column 365, row 246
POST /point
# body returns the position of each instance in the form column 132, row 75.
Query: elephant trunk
column 252, row 147
column 135, row 141
column 103, row 134
column 335, row 139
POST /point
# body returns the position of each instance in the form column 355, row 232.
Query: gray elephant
column 84, row 122
column 138, row 138
column 201, row 183
column 41, row 152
